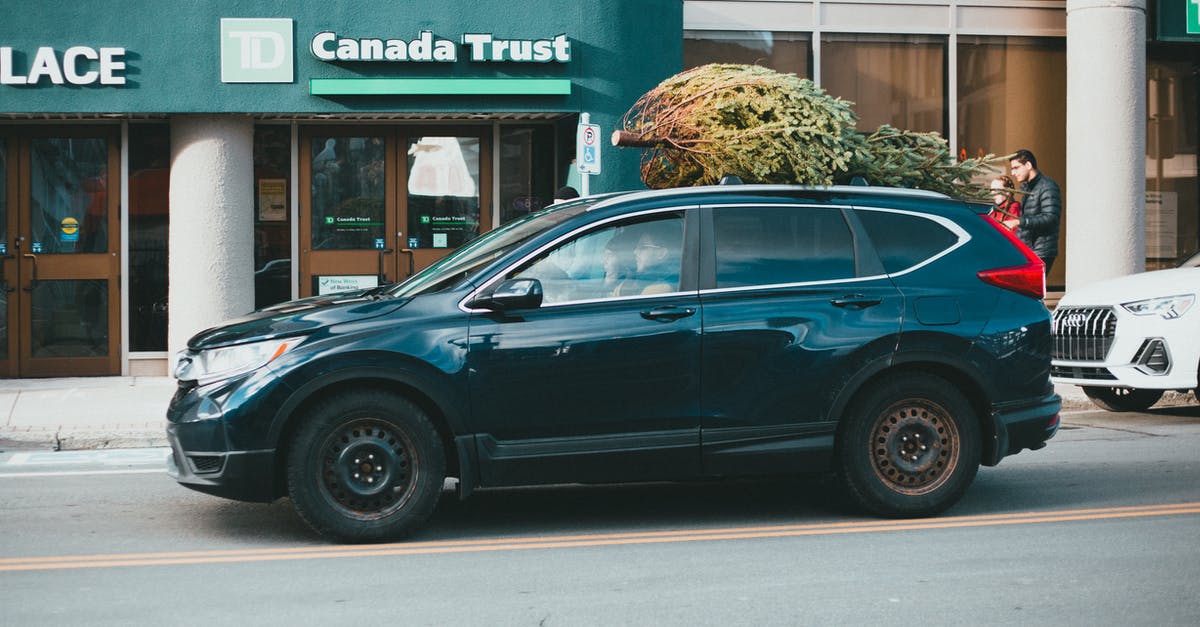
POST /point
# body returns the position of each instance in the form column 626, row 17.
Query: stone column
column 211, row 267
column 1106, row 139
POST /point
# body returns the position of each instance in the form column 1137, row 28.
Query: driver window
column 632, row 258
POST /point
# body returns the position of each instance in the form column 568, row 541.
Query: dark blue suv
column 894, row 337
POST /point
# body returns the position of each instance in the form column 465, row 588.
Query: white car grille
column 1083, row 333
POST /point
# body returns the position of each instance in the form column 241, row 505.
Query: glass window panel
column 272, row 215
column 443, row 191
column 526, row 170
column 70, row 318
column 903, row 240
column 1012, row 94
column 1173, row 105
column 149, row 181
column 69, row 195
column 892, row 79
column 632, row 258
column 772, row 246
column 347, row 192
column 782, row 52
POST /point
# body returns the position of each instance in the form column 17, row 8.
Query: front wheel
column 367, row 466
column 1122, row 399
column 909, row 446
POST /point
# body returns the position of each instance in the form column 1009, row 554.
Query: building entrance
column 59, row 246
column 379, row 203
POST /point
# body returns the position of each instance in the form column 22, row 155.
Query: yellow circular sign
column 70, row 225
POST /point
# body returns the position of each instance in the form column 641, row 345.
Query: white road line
column 81, row 473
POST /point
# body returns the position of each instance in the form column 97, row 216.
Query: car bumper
column 240, row 475
column 1023, row 426
column 1135, row 352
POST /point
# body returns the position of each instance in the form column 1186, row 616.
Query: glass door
column 382, row 203
column 60, row 253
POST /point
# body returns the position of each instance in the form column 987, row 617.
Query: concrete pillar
column 1106, row 139
column 211, row 268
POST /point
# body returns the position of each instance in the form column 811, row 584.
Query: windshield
column 455, row 268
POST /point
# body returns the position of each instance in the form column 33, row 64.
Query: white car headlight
column 215, row 364
column 1169, row 307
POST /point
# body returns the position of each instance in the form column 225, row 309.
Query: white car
column 1127, row 340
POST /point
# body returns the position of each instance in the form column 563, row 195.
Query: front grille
column 1083, row 333
column 204, row 464
column 1082, row 372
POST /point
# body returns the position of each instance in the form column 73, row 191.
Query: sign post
column 587, row 151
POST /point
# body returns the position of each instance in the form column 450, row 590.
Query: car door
column 601, row 382
column 794, row 305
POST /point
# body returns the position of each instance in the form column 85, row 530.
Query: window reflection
column 69, row 195
column 70, row 318
column 347, row 192
column 443, row 191
column 149, row 219
column 782, row 52
column 892, row 79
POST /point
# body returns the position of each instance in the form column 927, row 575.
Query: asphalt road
column 1101, row 527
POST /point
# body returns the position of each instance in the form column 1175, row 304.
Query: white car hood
column 1135, row 287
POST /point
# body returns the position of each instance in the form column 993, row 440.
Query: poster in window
column 272, row 200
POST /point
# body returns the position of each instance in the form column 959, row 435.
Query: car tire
column 1122, row 399
column 367, row 466
column 909, row 446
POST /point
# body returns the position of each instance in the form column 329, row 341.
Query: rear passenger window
column 777, row 245
column 904, row 240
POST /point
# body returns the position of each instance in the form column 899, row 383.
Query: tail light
column 1028, row 278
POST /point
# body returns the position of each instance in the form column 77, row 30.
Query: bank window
column 272, row 215
column 149, row 186
column 781, row 51
column 526, row 170
column 443, row 191
column 348, row 192
column 891, row 79
column 781, row 245
column 639, row 257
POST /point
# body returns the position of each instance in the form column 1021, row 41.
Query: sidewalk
column 128, row 412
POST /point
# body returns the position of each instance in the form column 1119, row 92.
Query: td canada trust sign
column 479, row 47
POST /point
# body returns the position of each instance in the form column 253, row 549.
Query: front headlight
column 1169, row 307
column 215, row 364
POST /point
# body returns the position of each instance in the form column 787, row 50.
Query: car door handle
column 855, row 301
column 667, row 314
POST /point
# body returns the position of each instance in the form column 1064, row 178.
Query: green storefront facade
column 252, row 151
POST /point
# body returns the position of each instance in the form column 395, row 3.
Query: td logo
column 256, row 50
column 1193, row 17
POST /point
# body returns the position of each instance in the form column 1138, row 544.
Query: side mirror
column 511, row 294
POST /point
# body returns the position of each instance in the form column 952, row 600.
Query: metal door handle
column 855, row 301
column 668, row 314
column 382, row 274
column 33, row 279
column 411, row 262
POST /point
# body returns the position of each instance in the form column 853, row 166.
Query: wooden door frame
column 337, row 259
column 9, row 270
column 90, row 266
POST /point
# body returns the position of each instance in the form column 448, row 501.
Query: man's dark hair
column 566, row 192
column 1024, row 156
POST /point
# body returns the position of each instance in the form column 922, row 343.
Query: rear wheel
column 366, row 467
column 909, row 446
column 1122, row 399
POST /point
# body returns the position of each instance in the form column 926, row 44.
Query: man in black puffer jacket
column 1041, row 207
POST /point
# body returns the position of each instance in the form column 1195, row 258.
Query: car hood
column 298, row 317
column 1135, row 287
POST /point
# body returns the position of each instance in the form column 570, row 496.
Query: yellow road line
column 585, row 540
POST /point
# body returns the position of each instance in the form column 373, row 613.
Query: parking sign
column 587, row 148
